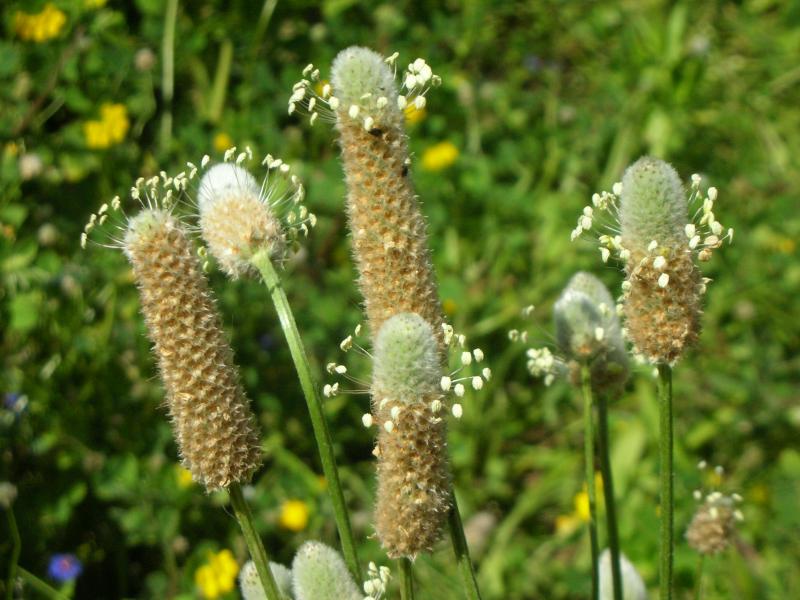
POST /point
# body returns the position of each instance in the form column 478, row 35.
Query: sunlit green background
column 545, row 102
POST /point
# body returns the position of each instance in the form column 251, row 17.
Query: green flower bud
column 251, row 587
column 319, row 573
column 588, row 330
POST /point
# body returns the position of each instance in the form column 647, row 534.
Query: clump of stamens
column 658, row 243
column 240, row 218
column 713, row 525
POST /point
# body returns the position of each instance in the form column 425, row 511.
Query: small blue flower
column 64, row 567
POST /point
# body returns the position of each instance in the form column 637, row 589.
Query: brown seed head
column 211, row 418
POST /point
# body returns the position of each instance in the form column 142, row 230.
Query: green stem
column 608, row 493
column 253, row 541
column 462, row 553
column 406, row 580
column 588, row 454
column 168, row 72
column 698, row 578
column 666, row 502
column 15, row 550
column 311, row 392
column 40, row 586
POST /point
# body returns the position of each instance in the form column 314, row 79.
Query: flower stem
column 406, row 580
column 462, row 553
column 311, row 392
column 666, row 503
column 254, row 545
column 15, row 550
column 608, row 491
column 168, row 72
column 588, row 453
column 40, row 586
column 698, row 578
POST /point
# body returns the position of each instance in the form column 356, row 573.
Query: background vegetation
column 544, row 103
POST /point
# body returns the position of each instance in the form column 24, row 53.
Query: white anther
column 478, row 354
column 346, row 343
column 436, row 406
column 445, row 383
column 457, row 410
column 340, row 369
column 605, row 253
column 410, row 81
column 381, row 102
column 617, row 188
column 477, row 383
column 353, row 111
column 487, row 373
column 401, row 102
column 388, row 426
column 663, row 280
column 395, row 412
column 313, row 118
column 334, row 103
column 652, row 246
column 694, row 241
column 326, row 90
column 690, row 230
column 466, row 358
column 599, row 333
column 420, row 102
column 659, row 262
column 459, row 390
column 368, row 123
column 366, row 420
column 712, row 193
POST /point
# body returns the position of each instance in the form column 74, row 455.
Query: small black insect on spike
column 376, row 131
column 404, row 171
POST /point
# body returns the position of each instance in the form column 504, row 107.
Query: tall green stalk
column 311, row 392
column 461, row 551
column 406, row 580
column 168, row 72
column 254, row 545
column 666, row 476
column 608, row 493
column 15, row 550
column 588, row 454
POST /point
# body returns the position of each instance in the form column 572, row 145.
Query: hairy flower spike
column 251, row 587
column 388, row 229
column 588, row 331
column 633, row 587
column 319, row 572
column 239, row 217
column 413, row 494
column 658, row 244
column 213, row 425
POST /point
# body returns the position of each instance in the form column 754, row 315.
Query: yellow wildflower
column 222, row 141
column 294, row 515
column 39, row 27
column 413, row 114
column 94, row 3
column 566, row 524
column 439, row 156
column 110, row 129
column 218, row 575
column 184, row 477
column 581, row 502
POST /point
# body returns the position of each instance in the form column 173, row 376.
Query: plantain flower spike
column 713, row 525
column 250, row 584
column 633, row 587
column 588, row 331
column 240, row 217
column 388, row 229
column 413, row 495
column 211, row 418
column 319, row 573
column 658, row 243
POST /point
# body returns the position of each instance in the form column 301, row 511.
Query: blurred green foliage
column 546, row 102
